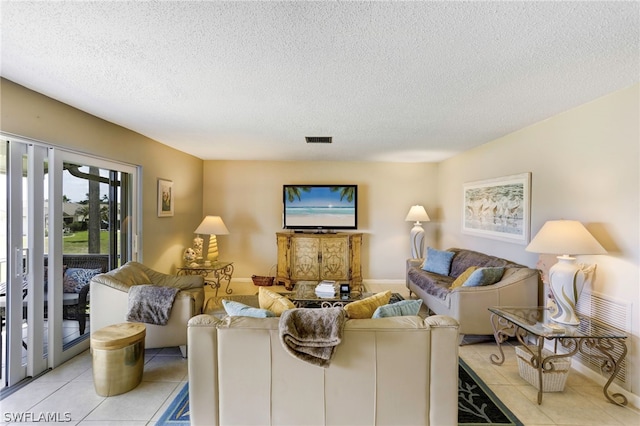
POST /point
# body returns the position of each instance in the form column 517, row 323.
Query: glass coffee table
column 304, row 296
column 590, row 338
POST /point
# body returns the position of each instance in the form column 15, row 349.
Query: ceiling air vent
column 318, row 139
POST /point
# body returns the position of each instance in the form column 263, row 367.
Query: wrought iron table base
column 504, row 328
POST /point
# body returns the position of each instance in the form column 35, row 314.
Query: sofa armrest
column 197, row 297
column 410, row 264
column 202, row 338
column 470, row 305
column 444, row 366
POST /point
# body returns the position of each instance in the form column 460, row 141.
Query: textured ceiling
column 390, row 81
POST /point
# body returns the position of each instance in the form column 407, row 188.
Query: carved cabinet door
column 305, row 258
column 334, row 263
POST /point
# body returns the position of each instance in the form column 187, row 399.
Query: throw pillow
column 273, row 301
column 398, row 309
column 463, row 277
column 76, row 278
column 484, row 276
column 366, row 307
column 438, row 261
column 237, row 309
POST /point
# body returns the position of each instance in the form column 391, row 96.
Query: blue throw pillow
column 237, row 309
column 438, row 261
column 398, row 309
column 484, row 276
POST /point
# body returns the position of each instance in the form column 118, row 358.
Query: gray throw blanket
column 312, row 335
column 151, row 304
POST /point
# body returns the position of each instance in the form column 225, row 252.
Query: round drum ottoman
column 118, row 358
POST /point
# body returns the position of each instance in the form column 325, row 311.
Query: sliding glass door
column 69, row 216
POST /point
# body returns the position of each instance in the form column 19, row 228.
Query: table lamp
column 212, row 226
column 566, row 278
column 417, row 214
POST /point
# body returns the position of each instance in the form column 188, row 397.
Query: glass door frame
column 17, row 257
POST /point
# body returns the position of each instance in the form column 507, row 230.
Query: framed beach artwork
column 498, row 208
column 165, row 198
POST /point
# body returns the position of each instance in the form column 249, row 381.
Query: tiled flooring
column 69, row 389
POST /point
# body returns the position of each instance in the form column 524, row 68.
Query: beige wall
column 32, row 115
column 584, row 165
column 248, row 196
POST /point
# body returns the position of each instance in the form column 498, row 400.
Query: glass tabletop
column 305, row 291
column 537, row 321
column 218, row 264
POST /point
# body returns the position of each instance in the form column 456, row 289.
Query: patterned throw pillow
column 76, row 278
column 438, row 261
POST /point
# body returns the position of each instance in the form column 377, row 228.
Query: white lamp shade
column 417, row 214
column 564, row 237
column 212, row 225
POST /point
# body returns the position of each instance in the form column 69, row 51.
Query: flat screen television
column 321, row 207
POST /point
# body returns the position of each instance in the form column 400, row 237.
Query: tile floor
column 69, row 389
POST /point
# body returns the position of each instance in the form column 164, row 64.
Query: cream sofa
column 110, row 301
column 518, row 286
column 387, row 371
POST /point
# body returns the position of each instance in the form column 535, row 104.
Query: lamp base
column 212, row 250
column 566, row 280
column 417, row 241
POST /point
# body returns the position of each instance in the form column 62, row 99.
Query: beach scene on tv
column 320, row 206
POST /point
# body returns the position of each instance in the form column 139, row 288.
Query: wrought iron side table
column 214, row 275
column 590, row 338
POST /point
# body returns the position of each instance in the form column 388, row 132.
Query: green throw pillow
column 484, row 276
column 237, row 309
column 438, row 261
column 398, row 309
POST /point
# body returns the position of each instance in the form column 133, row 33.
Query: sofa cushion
column 463, row 277
column 365, row 308
column 484, row 276
column 398, row 309
column 434, row 284
column 273, row 301
column 237, row 309
column 463, row 259
column 438, row 261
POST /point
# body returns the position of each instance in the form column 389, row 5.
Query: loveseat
column 110, row 296
column 518, row 286
column 385, row 371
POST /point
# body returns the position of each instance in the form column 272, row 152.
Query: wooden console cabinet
column 316, row 257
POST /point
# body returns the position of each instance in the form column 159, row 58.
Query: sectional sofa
column 385, row 371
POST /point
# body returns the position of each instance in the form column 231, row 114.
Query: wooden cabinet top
column 318, row 234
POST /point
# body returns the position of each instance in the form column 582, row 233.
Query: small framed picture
column 165, row 198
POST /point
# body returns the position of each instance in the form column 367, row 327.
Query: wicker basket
column 262, row 281
column 552, row 381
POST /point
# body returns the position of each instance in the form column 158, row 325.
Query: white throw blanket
column 151, row 304
column 312, row 335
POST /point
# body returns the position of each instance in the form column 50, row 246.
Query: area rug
column 477, row 404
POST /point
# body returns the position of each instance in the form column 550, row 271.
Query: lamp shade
column 417, row 214
column 564, row 237
column 212, row 225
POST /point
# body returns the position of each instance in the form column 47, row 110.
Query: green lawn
column 78, row 242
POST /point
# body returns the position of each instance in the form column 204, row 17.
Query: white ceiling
column 390, row 81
